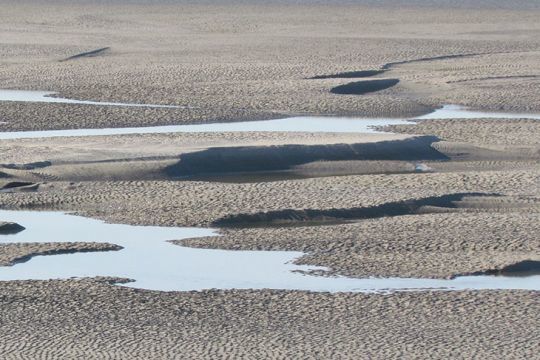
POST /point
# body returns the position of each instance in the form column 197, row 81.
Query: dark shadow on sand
column 520, row 269
column 10, row 228
column 91, row 53
column 272, row 158
column 364, row 87
column 291, row 217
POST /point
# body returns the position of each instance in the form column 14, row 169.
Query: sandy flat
column 67, row 318
column 232, row 64
column 438, row 199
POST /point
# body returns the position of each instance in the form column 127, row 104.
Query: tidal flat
column 415, row 194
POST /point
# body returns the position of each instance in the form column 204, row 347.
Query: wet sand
column 236, row 62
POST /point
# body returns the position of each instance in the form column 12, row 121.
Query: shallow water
column 461, row 112
column 48, row 97
column 156, row 264
column 322, row 124
column 319, row 124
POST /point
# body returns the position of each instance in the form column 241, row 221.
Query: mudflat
column 437, row 199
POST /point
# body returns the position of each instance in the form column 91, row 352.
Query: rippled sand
column 237, row 62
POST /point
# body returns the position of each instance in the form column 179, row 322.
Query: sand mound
column 28, row 166
column 521, row 268
column 11, row 254
column 7, row 228
column 19, row 186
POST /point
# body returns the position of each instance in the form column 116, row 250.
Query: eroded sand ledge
column 12, row 254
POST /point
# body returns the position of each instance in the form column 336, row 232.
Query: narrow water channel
column 50, row 97
column 154, row 263
column 317, row 124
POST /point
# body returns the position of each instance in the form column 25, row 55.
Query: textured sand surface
column 484, row 132
column 237, row 61
column 232, row 62
column 430, row 245
column 201, row 203
column 59, row 319
column 11, row 254
column 119, row 147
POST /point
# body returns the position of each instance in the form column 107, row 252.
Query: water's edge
column 317, row 124
column 153, row 263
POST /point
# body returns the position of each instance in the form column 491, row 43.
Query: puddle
column 48, row 97
column 156, row 264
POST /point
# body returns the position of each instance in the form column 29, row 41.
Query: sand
column 201, row 203
column 59, row 319
column 238, row 61
column 11, row 254
column 404, row 246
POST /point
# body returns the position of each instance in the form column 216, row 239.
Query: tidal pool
column 154, row 263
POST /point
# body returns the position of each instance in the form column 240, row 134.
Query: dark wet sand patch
column 364, row 87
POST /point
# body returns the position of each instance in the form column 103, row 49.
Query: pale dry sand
column 121, row 147
column 520, row 133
